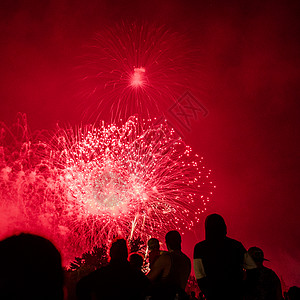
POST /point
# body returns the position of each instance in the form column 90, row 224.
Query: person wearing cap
column 219, row 262
column 262, row 283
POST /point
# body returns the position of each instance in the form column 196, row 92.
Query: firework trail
column 88, row 185
column 135, row 68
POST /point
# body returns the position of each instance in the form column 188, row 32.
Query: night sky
column 245, row 75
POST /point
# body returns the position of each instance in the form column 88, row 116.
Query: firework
column 135, row 179
column 135, row 68
column 83, row 187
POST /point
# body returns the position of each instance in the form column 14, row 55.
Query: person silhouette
column 117, row 280
column 171, row 270
column 219, row 262
column 154, row 251
column 262, row 283
column 30, row 269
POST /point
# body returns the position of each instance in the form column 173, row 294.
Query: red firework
column 135, row 69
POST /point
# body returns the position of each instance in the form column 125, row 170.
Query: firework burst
column 85, row 186
column 135, row 68
column 136, row 179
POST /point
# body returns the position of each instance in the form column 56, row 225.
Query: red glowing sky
column 249, row 84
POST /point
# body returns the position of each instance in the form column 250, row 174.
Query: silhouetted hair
column 136, row 260
column 30, row 269
column 173, row 240
column 119, row 250
column 153, row 243
column 215, row 227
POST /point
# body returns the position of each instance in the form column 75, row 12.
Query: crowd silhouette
column 224, row 269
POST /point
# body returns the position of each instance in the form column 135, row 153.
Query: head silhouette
column 257, row 254
column 153, row 244
column 215, row 227
column 119, row 250
column 294, row 293
column 136, row 261
column 30, row 268
column 173, row 240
